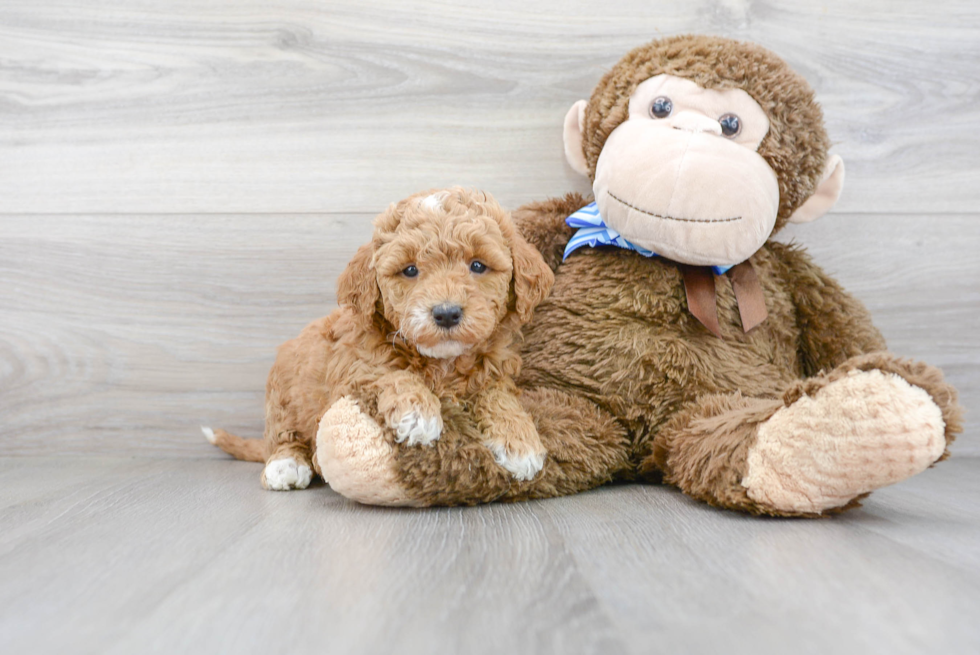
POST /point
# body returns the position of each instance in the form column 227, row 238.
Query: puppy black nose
column 446, row 316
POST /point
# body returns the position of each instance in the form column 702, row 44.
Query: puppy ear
column 357, row 286
column 533, row 278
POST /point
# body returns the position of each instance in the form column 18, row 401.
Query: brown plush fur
column 624, row 382
column 586, row 448
column 621, row 379
column 371, row 349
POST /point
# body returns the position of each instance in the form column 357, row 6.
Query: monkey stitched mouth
column 671, row 218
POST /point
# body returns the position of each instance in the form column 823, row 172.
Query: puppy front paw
column 522, row 463
column 415, row 429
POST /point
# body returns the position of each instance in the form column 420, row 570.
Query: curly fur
column 620, row 379
column 383, row 349
column 614, row 358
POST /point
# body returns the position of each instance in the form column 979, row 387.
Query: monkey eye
column 478, row 267
column 661, row 107
column 410, row 271
column 730, row 125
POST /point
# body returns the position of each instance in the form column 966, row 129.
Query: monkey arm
column 834, row 325
column 543, row 225
column 586, row 448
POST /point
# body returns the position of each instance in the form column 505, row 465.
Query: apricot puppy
column 430, row 309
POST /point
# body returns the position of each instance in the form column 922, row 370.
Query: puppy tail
column 250, row 450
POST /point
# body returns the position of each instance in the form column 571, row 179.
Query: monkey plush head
column 699, row 148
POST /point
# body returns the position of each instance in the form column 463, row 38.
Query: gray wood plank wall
column 181, row 182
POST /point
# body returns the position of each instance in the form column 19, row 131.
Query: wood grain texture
column 181, row 182
column 200, row 106
column 117, row 326
column 123, row 334
column 191, row 556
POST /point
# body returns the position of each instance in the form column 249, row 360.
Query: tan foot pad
column 355, row 459
column 857, row 434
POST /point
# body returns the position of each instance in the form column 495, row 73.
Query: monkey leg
column 585, row 448
column 821, row 447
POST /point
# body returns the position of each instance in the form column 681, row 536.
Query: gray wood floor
column 123, row 555
column 181, row 181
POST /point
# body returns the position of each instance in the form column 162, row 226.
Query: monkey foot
column 355, row 459
column 863, row 431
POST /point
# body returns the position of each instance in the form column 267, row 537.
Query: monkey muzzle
column 692, row 196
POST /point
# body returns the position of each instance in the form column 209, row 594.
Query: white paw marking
column 415, row 429
column 208, row 433
column 523, row 466
column 286, row 474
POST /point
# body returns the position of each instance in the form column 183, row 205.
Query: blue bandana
column 593, row 231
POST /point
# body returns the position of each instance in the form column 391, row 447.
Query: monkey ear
column 533, row 278
column 357, row 286
column 826, row 195
column 574, row 121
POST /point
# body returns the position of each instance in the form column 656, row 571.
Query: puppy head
column 446, row 269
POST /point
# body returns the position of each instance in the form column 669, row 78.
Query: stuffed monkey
column 681, row 344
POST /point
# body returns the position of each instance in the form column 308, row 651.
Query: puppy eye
column 661, row 107
column 478, row 267
column 730, row 125
column 410, row 271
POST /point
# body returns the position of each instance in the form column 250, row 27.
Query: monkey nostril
column 447, row 316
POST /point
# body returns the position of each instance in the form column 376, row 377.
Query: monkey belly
column 616, row 330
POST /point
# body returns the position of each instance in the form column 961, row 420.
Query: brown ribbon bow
column 699, row 284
